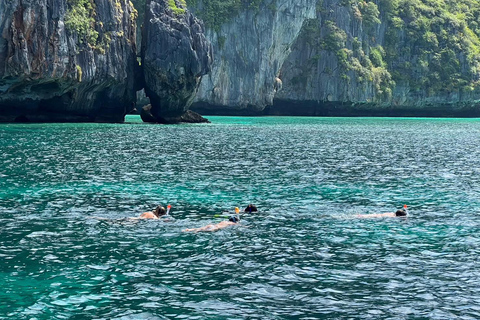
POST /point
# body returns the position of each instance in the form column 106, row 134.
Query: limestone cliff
column 394, row 59
column 74, row 60
column 250, row 48
column 66, row 60
column 317, row 70
column 387, row 57
column 175, row 55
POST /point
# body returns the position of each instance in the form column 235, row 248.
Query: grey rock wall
column 175, row 55
column 311, row 73
column 249, row 51
column 49, row 72
column 316, row 83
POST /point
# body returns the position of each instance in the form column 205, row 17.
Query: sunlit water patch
column 304, row 256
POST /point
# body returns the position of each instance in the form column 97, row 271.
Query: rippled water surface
column 303, row 256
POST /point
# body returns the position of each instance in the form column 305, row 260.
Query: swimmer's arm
column 99, row 218
column 202, row 229
column 205, row 228
column 211, row 227
column 376, row 215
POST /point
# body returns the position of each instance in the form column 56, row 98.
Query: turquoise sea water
column 304, row 256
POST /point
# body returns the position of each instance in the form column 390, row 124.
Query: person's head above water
column 160, row 211
column 234, row 219
column 402, row 212
column 251, row 208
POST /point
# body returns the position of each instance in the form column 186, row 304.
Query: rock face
column 188, row 117
column 249, row 51
column 75, row 60
column 66, row 60
column 175, row 55
column 346, row 65
column 312, row 72
column 371, row 58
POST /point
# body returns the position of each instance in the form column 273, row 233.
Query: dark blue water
column 304, row 256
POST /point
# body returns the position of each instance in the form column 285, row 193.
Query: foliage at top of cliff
column 434, row 44
column 80, row 18
column 177, row 10
column 359, row 59
column 215, row 13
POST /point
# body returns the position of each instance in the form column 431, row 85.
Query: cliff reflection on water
column 304, row 256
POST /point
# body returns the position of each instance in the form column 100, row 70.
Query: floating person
column 156, row 213
column 251, row 208
column 399, row 213
column 214, row 227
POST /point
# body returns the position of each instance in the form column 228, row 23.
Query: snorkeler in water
column 399, row 213
column 156, row 213
column 214, row 227
column 251, row 208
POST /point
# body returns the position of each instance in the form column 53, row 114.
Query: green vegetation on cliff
column 434, row 45
column 431, row 46
column 214, row 13
column 365, row 57
column 361, row 59
column 139, row 6
column 80, row 18
column 175, row 9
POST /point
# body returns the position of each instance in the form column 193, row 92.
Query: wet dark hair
column 234, row 219
column 401, row 213
column 160, row 211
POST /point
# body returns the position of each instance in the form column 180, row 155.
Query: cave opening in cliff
column 142, row 101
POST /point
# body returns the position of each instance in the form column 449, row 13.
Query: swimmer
column 251, row 208
column 399, row 213
column 156, row 213
column 214, row 227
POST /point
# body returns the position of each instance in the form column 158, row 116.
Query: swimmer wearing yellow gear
column 214, row 227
